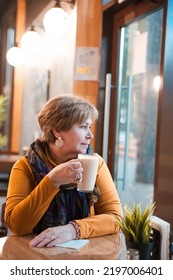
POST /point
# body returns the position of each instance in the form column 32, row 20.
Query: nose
column 89, row 134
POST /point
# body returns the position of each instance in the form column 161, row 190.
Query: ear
column 56, row 133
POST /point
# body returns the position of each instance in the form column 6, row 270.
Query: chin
column 82, row 151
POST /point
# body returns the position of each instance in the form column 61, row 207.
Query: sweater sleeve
column 25, row 200
column 105, row 210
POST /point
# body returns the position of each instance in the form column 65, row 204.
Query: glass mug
column 90, row 167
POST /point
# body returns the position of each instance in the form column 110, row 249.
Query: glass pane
column 139, row 70
column 6, row 98
column 104, row 2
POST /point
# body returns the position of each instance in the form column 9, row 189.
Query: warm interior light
column 56, row 22
column 157, row 82
column 15, row 56
column 31, row 42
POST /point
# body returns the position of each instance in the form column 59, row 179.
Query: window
column 7, row 40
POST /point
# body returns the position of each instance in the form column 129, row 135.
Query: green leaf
column 136, row 222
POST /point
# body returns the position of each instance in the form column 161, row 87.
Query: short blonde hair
column 62, row 112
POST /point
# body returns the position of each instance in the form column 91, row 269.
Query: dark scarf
column 68, row 204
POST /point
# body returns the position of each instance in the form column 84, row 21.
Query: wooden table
column 7, row 161
column 6, row 164
column 109, row 247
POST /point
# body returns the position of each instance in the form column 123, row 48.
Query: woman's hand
column 66, row 173
column 54, row 235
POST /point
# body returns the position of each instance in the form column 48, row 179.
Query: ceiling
column 4, row 5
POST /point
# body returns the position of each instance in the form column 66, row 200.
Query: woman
column 42, row 195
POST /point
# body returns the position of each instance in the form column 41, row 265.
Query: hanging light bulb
column 56, row 22
column 157, row 83
column 31, row 42
column 15, row 56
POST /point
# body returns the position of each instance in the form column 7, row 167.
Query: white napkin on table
column 74, row 244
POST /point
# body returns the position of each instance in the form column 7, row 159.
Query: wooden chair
column 162, row 239
column 3, row 228
column 6, row 164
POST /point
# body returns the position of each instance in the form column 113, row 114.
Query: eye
column 83, row 126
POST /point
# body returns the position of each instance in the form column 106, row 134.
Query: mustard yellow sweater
column 26, row 204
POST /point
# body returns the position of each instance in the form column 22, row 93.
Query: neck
column 58, row 155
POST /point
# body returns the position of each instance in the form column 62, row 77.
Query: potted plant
column 3, row 138
column 137, row 228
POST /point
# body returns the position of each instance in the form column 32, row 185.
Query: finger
column 53, row 243
column 78, row 177
column 45, row 242
column 34, row 242
column 40, row 241
column 57, row 240
column 76, row 164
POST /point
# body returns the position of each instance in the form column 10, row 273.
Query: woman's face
column 77, row 139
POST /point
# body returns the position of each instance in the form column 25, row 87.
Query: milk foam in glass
column 90, row 167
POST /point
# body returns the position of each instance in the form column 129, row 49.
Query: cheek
column 74, row 139
column 77, row 138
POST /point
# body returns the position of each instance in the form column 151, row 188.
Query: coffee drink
column 90, row 167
